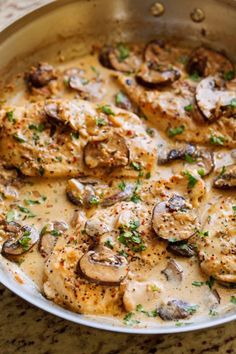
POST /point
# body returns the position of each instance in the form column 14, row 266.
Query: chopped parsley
column 136, row 166
column 56, row 233
column 120, row 98
column 175, row 131
column 39, row 128
column 94, row 200
column 123, row 51
column 148, row 175
column 191, row 179
column 153, row 313
column 122, row 186
column 33, row 202
column 201, row 172
column 24, row 241
column 11, row 215
column 19, row 138
column 96, row 72
column 233, row 103
column 233, row 299
column 108, row 243
column 213, row 313
column 192, row 309
column 135, row 198
column 128, row 319
column 229, row 75
column 217, row 140
column 188, row 108
column 203, row 233
column 10, row 117
column 100, row 122
column 131, row 237
column 74, row 135
column 189, row 158
column 210, row 282
column 150, row 132
column 198, row 283
column 107, row 110
column 194, row 77
column 234, row 208
column 26, row 211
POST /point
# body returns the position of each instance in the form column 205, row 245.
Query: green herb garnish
column 188, row 108
column 122, row 186
column 198, row 283
column 128, row 319
column 229, row 75
column 136, row 166
column 233, row 299
column 94, row 200
column 191, row 179
column 123, row 52
column 108, row 243
column 24, row 241
column 10, row 116
column 194, row 77
column 210, row 282
column 19, row 138
column 39, row 128
column 107, row 110
column 217, row 140
column 175, row 131
column 150, row 132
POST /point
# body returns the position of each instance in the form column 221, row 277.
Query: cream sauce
column 150, row 287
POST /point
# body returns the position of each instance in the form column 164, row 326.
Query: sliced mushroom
column 166, row 156
column 103, row 266
column 174, row 310
column 205, row 62
column 80, row 194
column 153, row 74
column 202, row 158
column 118, row 197
column 91, row 88
column 174, row 220
column 214, row 100
column 182, row 249
column 40, row 75
column 48, row 237
column 96, row 227
column 155, row 51
column 173, row 271
column 110, row 152
column 121, row 58
column 227, row 178
column 24, row 240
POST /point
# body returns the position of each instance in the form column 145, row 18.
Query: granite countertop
column 26, row 329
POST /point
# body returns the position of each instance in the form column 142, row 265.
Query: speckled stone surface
column 26, row 329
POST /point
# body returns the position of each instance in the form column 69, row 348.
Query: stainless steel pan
column 72, row 27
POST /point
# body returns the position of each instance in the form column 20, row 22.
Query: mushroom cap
column 205, row 61
column 213, row 100
column 173, row 220
column 174, row 310
column 226, row 178
column 40, row 75
column 110, row 152
column 22, row 242
column 103, row 266
column 153, row 74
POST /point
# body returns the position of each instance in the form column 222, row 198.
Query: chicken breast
column 63, row 138
column 173, row 110
column 217, row 246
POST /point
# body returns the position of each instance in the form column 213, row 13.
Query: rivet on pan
column 157, row 9
column 197, row 15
